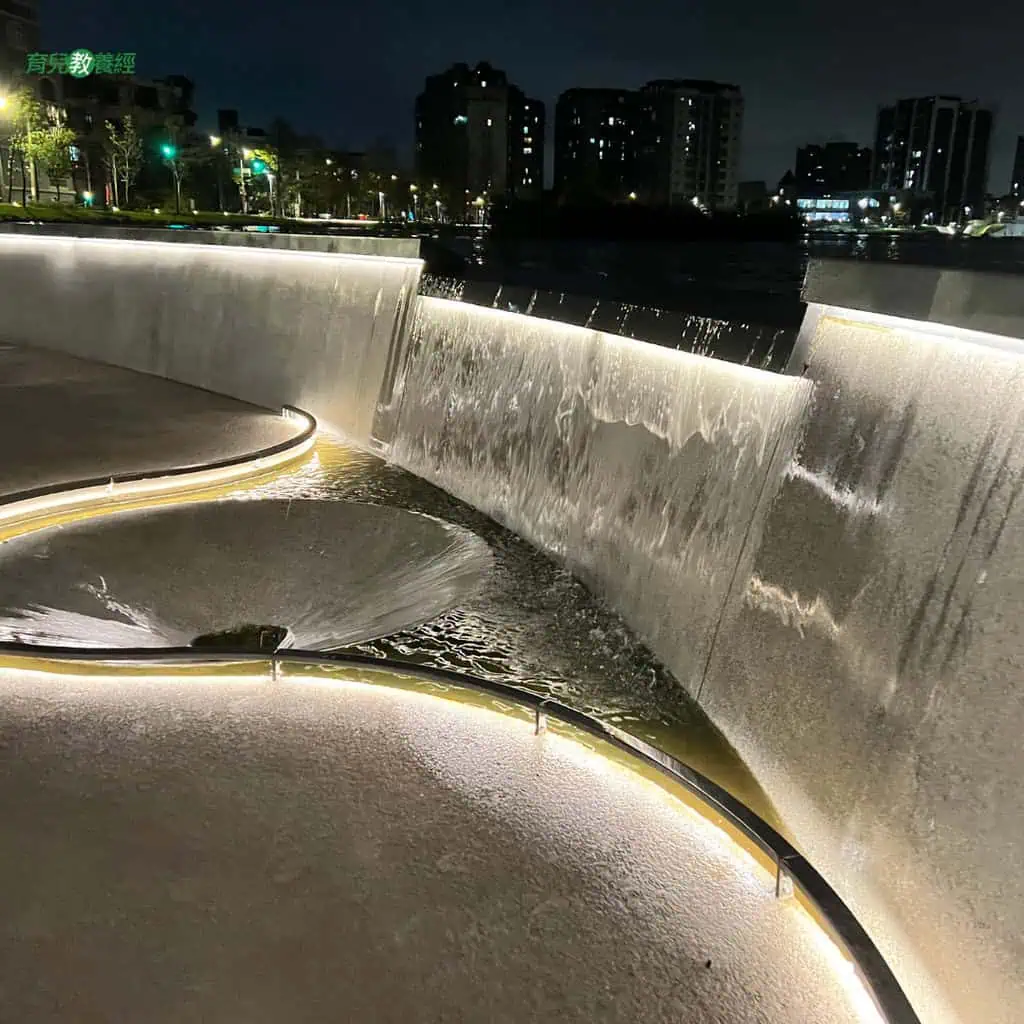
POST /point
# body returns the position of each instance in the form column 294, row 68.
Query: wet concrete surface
column 65, row 419
column 234, row 850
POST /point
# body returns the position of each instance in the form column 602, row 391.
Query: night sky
column 350, row 69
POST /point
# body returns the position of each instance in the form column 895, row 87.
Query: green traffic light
column 258, row 166
column 168, row 151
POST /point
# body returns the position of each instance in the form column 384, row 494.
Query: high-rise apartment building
column 834, row 167
column 935, row 147
column 688, row 142
column 477, row 135
column 595, row 139
column 527, row 126
column 19, row 36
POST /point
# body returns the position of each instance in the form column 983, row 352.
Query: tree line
column 281, row 173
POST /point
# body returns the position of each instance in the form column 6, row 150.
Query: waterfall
column 642, row 468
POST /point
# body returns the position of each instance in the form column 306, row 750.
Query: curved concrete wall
column 243, row 318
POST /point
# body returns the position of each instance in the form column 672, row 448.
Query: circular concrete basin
column 331, row 573
column 238, row 850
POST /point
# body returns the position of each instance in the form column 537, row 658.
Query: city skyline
column 352, row 73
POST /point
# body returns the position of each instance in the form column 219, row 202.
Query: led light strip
column 88, row 492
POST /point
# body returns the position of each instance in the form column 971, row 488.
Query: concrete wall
column 987, row 301
column 271, row 327
column 870, row 669
column 837, row 578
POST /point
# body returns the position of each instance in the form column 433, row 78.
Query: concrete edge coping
column 982, row 301
column 76, row 492
column 281, row 241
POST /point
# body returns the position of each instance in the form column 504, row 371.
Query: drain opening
column 249, row 638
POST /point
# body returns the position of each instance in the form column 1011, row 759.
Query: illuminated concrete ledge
column 351, row 245
column 219, row 843
column 69, row 419
column 25, row 511
column 976, row 301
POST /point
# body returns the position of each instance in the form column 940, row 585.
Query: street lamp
column 243, row 192
column 215, row 141
column 3, row 102
column 170, row 155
